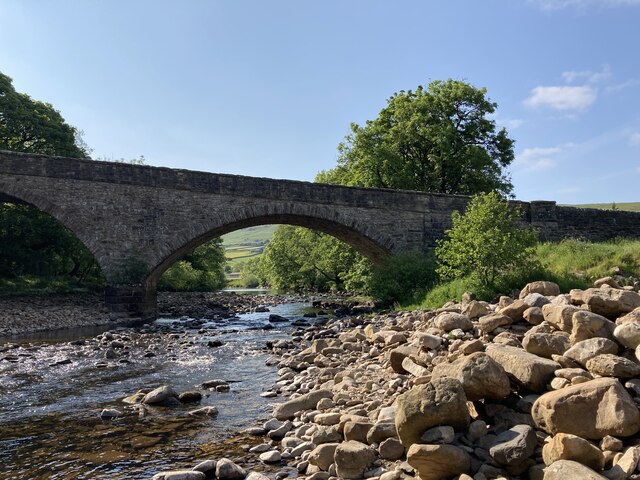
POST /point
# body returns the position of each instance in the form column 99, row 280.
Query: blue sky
column 269, row 88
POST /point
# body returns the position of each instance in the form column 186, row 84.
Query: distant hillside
column 246, row 236
column 629, row 206
column 247, row 243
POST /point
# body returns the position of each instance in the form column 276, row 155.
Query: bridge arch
column 69, row 254
column 355, row 232
column 14, row 194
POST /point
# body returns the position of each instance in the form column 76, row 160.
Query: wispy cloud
column 562, row 4
column 564, row 98
column 588, row 76
column 634, row 139
column 538, row 159
column 622, row 86
column 511, row 123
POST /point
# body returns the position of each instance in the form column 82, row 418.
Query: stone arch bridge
column 138, row 220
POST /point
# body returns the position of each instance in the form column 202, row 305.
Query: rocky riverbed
column 546, row 385
column 38, row 313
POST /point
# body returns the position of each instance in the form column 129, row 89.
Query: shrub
column 401, row 278
column 487, row 242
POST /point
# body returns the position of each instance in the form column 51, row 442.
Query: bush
column 201, row 270
column 183, row 277
column 401, row 278
column 249, row 281
column 486, row 242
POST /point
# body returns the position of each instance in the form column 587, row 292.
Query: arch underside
column 372, row 249
column 41, row 203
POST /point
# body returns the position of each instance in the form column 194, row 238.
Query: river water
column 54, row 386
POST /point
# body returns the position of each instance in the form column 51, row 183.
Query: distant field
column 628, row 206
column 247, row 243
column 261, row 233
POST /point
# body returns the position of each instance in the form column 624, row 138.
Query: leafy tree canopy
column 201, row 270
column 301, row 259
column 486, row 242
column 31, row 126
column 439, row 139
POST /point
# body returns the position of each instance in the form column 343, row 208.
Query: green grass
column 260, row 234
column 242, row 245
column 27, row 285
column 628, row 206
column 570, row 263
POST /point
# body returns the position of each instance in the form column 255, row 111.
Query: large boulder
column 515, row 310
column 591, row 410
column 588, row 324
column 323, row 455
column 514, row 446
column 536, row 300
column 448, row 321
column 560, row 316
column 438, row 462
column 159, row 395
column 303, row 402
column 608, row 365
column 610, row 302
column 352, row 459
column 533, row 372
column 440, row 402
column 489, row 323
column 398, row 354
column 543, row 287
column 631, row 317
column 179, row 475
column 480, row 376
column 628, row 334
column 546, row 344
column 585, row 350
column 228, row 470
column 569, row 470
column 564, row 446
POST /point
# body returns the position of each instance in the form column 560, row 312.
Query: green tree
column 34, row 243
column 401, row 278
column 439, row 139
column 487, row 241
column 31, row 126
column 201, row 270
column 252, row 273
column 301, row 259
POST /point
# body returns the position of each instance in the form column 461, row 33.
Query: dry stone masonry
column 138, row 220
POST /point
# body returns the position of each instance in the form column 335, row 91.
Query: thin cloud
column 538, row 159
column 588, row 75
column 622, row 86
column 565, row 98
column 511, row 123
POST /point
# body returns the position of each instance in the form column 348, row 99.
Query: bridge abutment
column 132, row 301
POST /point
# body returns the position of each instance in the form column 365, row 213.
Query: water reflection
column 52, row 390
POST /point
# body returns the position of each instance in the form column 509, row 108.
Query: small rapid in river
column 53, row 387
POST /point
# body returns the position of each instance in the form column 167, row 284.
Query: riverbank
column 36, row 313
column 546, row 385
column 24, row 314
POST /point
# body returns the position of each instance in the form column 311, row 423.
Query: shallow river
column 54, row 386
